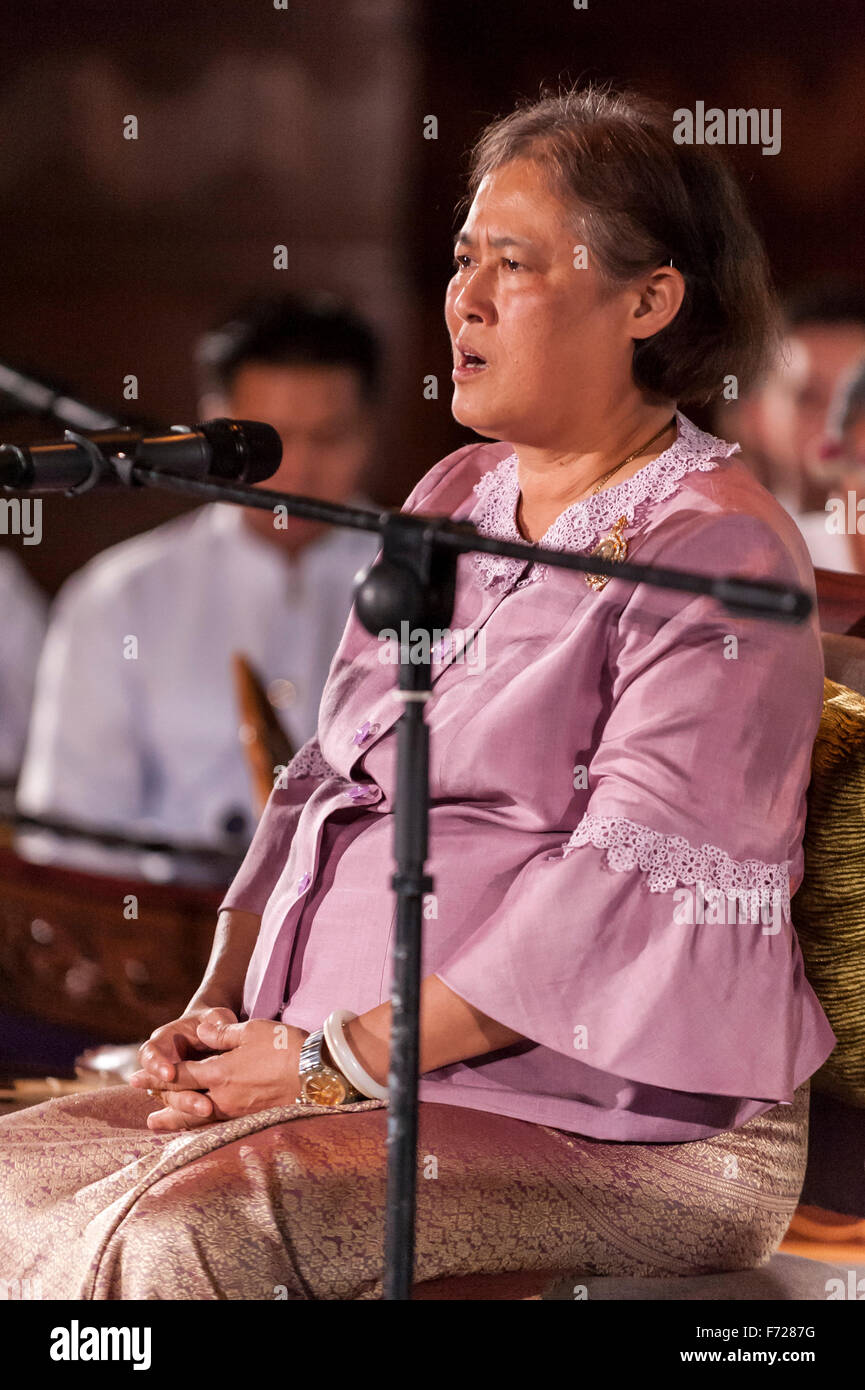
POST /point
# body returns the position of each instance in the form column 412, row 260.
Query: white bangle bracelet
column 344, row 1058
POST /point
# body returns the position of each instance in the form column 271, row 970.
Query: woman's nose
column 472, row 303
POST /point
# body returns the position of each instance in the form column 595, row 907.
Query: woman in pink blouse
column 616, row 1031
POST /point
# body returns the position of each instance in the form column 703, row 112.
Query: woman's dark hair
column 640, row 198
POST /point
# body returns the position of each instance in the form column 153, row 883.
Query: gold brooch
column 612, row 547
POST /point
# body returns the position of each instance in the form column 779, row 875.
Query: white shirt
column 828, row 550
column 135, row 723
column 25, row 612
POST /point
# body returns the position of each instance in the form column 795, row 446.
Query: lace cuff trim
column 669, row 860
column 308, row 761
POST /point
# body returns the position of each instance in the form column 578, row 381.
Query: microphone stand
column 414, row 580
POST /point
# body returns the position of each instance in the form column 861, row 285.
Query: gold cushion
column 829, row 908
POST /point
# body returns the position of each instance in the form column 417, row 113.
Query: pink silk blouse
column 614, row 774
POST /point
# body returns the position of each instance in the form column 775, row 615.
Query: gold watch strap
column 322, row 1083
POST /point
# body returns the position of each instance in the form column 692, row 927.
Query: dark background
column 304, row 127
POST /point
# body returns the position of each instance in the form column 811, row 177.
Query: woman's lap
column 261, row 1209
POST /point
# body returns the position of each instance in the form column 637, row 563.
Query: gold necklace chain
column 600, row 483
column 641, row 450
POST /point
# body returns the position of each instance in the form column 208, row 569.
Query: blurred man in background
column 24, row 609
column 135, row 721
column 782, row 425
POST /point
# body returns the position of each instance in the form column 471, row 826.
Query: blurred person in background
column 782, row 424
column 843, row 463
column 141, row 737
column 25, row 615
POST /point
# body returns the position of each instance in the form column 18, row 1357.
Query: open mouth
column 469, row 363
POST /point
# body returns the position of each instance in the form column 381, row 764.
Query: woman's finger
column 181, row 1110
column 146, row 1081
column 219, row 1015
column 203, row 1075
column 155, row 1062
column 161, row 1121
column 220, row 1030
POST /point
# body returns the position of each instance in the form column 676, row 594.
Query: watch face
column 324, row 1090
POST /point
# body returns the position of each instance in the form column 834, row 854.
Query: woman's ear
column 659, row 298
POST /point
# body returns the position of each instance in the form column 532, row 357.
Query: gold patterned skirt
column 289, row 1203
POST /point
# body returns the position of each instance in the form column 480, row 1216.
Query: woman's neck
column 551, row 479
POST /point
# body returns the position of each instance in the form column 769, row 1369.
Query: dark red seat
column 841, row 602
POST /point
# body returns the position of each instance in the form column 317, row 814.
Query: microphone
column 243, row 451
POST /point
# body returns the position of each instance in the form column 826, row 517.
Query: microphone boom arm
column 749, row 597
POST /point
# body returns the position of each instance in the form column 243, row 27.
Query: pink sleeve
column 267, row 854
column 698, row 778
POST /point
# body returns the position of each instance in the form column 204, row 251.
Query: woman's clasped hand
column 207, row 1066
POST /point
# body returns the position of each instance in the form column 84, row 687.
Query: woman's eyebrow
column 465, row 239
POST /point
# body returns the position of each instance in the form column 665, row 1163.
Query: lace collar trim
column 581, row 526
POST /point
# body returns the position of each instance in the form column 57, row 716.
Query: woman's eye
column 462, row 262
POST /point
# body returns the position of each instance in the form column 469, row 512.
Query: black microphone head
column 244, row 451
column 16, row 467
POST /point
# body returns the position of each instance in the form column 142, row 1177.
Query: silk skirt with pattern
column 289, row 1203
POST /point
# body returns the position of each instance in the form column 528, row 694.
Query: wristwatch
column 321, row 1083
